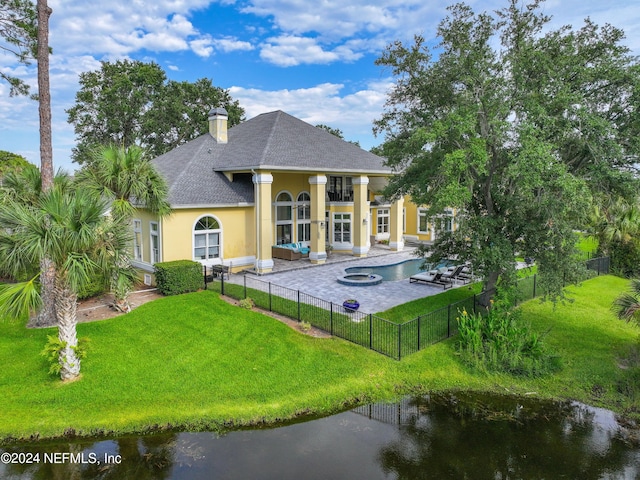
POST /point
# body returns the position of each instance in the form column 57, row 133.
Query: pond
column 434, row 437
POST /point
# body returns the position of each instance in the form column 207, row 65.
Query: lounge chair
column 421, row 277
column 466, row 275
column 456, row 275
column 436, row 279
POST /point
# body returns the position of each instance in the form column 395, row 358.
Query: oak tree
column 516, row 126
column 128, row 103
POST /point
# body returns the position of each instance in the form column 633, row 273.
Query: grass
column 379, row 332
column 194, row 361
column 410, row 310
column 587, row 244
column 180, row 360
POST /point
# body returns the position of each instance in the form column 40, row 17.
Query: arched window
column 207, row 239
column 284, row 218
column 303, row 209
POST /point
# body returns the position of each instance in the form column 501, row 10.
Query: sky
column 311, row 59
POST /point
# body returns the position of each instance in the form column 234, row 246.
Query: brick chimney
column 218, row 124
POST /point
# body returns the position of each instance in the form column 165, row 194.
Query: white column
column 396, row 240
column 360, row 216
column 318, row 253
column 264, row 222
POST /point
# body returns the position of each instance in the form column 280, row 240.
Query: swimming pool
column 398, row 271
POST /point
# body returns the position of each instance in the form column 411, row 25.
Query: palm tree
column 615, row 221
column 47, row 314
column 127, row 177
column 129, row 180
column 73, row 230
column 25, row 185
column 627, row 305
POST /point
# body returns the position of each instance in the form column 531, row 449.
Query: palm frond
column 127, row 177
column 17, row 300
column 626, row 307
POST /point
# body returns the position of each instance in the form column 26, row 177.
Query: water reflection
column 451, row 436
column 465, row 437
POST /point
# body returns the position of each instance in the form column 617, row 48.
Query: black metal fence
column 395, row 340
column 600, row 265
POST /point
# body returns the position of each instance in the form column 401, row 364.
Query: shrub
column 53, row 348
column 498, row 341
column 247, row 303
column 96, row 285
column 625, row 258
column 180, row 276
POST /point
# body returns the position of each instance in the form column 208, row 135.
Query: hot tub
column 360, row 279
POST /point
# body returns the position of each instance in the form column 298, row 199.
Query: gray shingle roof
column 271, row 141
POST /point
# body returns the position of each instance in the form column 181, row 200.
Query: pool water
column 398, row 271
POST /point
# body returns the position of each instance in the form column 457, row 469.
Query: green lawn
column 195, row 361
column 587, row 244
column 410, row 310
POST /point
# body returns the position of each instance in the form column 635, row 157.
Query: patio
column 320, row 280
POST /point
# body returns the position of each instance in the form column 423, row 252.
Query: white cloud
column 335, row 19
column 339, row 30
column 288, row 51
column 353, row 113
column 231, row 44
column 121, row 28
column 202, row 47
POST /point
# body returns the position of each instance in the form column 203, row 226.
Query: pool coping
column 345, row 272
column 371, row 280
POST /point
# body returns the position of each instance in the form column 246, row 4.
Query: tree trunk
column 44, row 97
column 121, row 304
column 491, row 280
column 46, row 316
column 66, row 305
column 121, row 285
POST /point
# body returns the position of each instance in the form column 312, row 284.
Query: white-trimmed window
column 447, row 220
column 207, row 239
column 383, row 220
column 423, row 221
column 303, row 209
column 137, row 240
column 342, row 228
column 284, row 218
column 154, row 239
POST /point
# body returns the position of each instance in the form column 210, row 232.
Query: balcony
column 344, row 195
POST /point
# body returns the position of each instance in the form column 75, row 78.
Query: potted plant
column 351, row 305
column 328, row 248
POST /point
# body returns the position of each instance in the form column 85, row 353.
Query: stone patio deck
column 320, row 280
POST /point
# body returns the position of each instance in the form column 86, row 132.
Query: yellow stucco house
column 271, row 180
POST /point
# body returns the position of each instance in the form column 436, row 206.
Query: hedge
column 180, row 276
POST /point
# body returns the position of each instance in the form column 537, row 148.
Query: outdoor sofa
column 290, row 251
